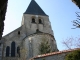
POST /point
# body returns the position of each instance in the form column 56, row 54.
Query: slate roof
column 34, row 9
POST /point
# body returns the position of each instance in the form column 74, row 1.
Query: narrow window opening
column 40, row 21
column 18, row 32
column 7, row 51
column 18, row 51
column 33, row 20
column 37, row 30
column 13, row 49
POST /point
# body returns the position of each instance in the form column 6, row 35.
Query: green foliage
column 44, row 47
column 75, row 55
column 43, row 59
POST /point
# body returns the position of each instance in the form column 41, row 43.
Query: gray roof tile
column 34, row 9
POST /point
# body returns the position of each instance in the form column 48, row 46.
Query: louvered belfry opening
column 33, row 20
column 40, row 21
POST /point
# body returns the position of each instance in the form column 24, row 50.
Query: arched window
column 7, row 51
column 40, row 21
column 18, row 51
column 33, row 20
column 13, row 49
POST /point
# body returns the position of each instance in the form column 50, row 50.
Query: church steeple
column 35, row 18
column 34, row 9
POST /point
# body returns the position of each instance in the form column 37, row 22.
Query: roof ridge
column 53, row 53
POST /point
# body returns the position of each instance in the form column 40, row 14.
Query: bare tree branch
column 72, row 42
column 77, row 13
column 76, row 23
column 78, row 18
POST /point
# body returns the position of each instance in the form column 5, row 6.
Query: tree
column 75, row 55
column 44, row 47
column 72, row 42
column 76, row 22
column 77, row 2
column 23, row 52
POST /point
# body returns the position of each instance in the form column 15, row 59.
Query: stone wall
column 29, row 45
column 16, row 36
column 11, row 58
column 32, row 43
column 31, row 28
column 1, row 47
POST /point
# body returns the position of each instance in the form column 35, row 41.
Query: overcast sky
column 60, row 12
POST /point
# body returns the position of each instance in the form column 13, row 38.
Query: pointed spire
column 34, row 9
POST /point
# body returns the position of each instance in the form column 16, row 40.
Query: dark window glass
column 33, row 20
column 7, row 51
column 40, row 21
column 18, row 51
column 13, row 49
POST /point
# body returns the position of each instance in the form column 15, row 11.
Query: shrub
column 75, row 55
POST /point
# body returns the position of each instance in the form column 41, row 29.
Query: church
column 25, row 42
column 33, row 40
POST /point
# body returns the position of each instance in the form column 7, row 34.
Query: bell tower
column 37, row 27
column 34, row 18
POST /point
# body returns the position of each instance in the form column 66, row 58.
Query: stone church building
column 33, row 40
column 24, row 42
